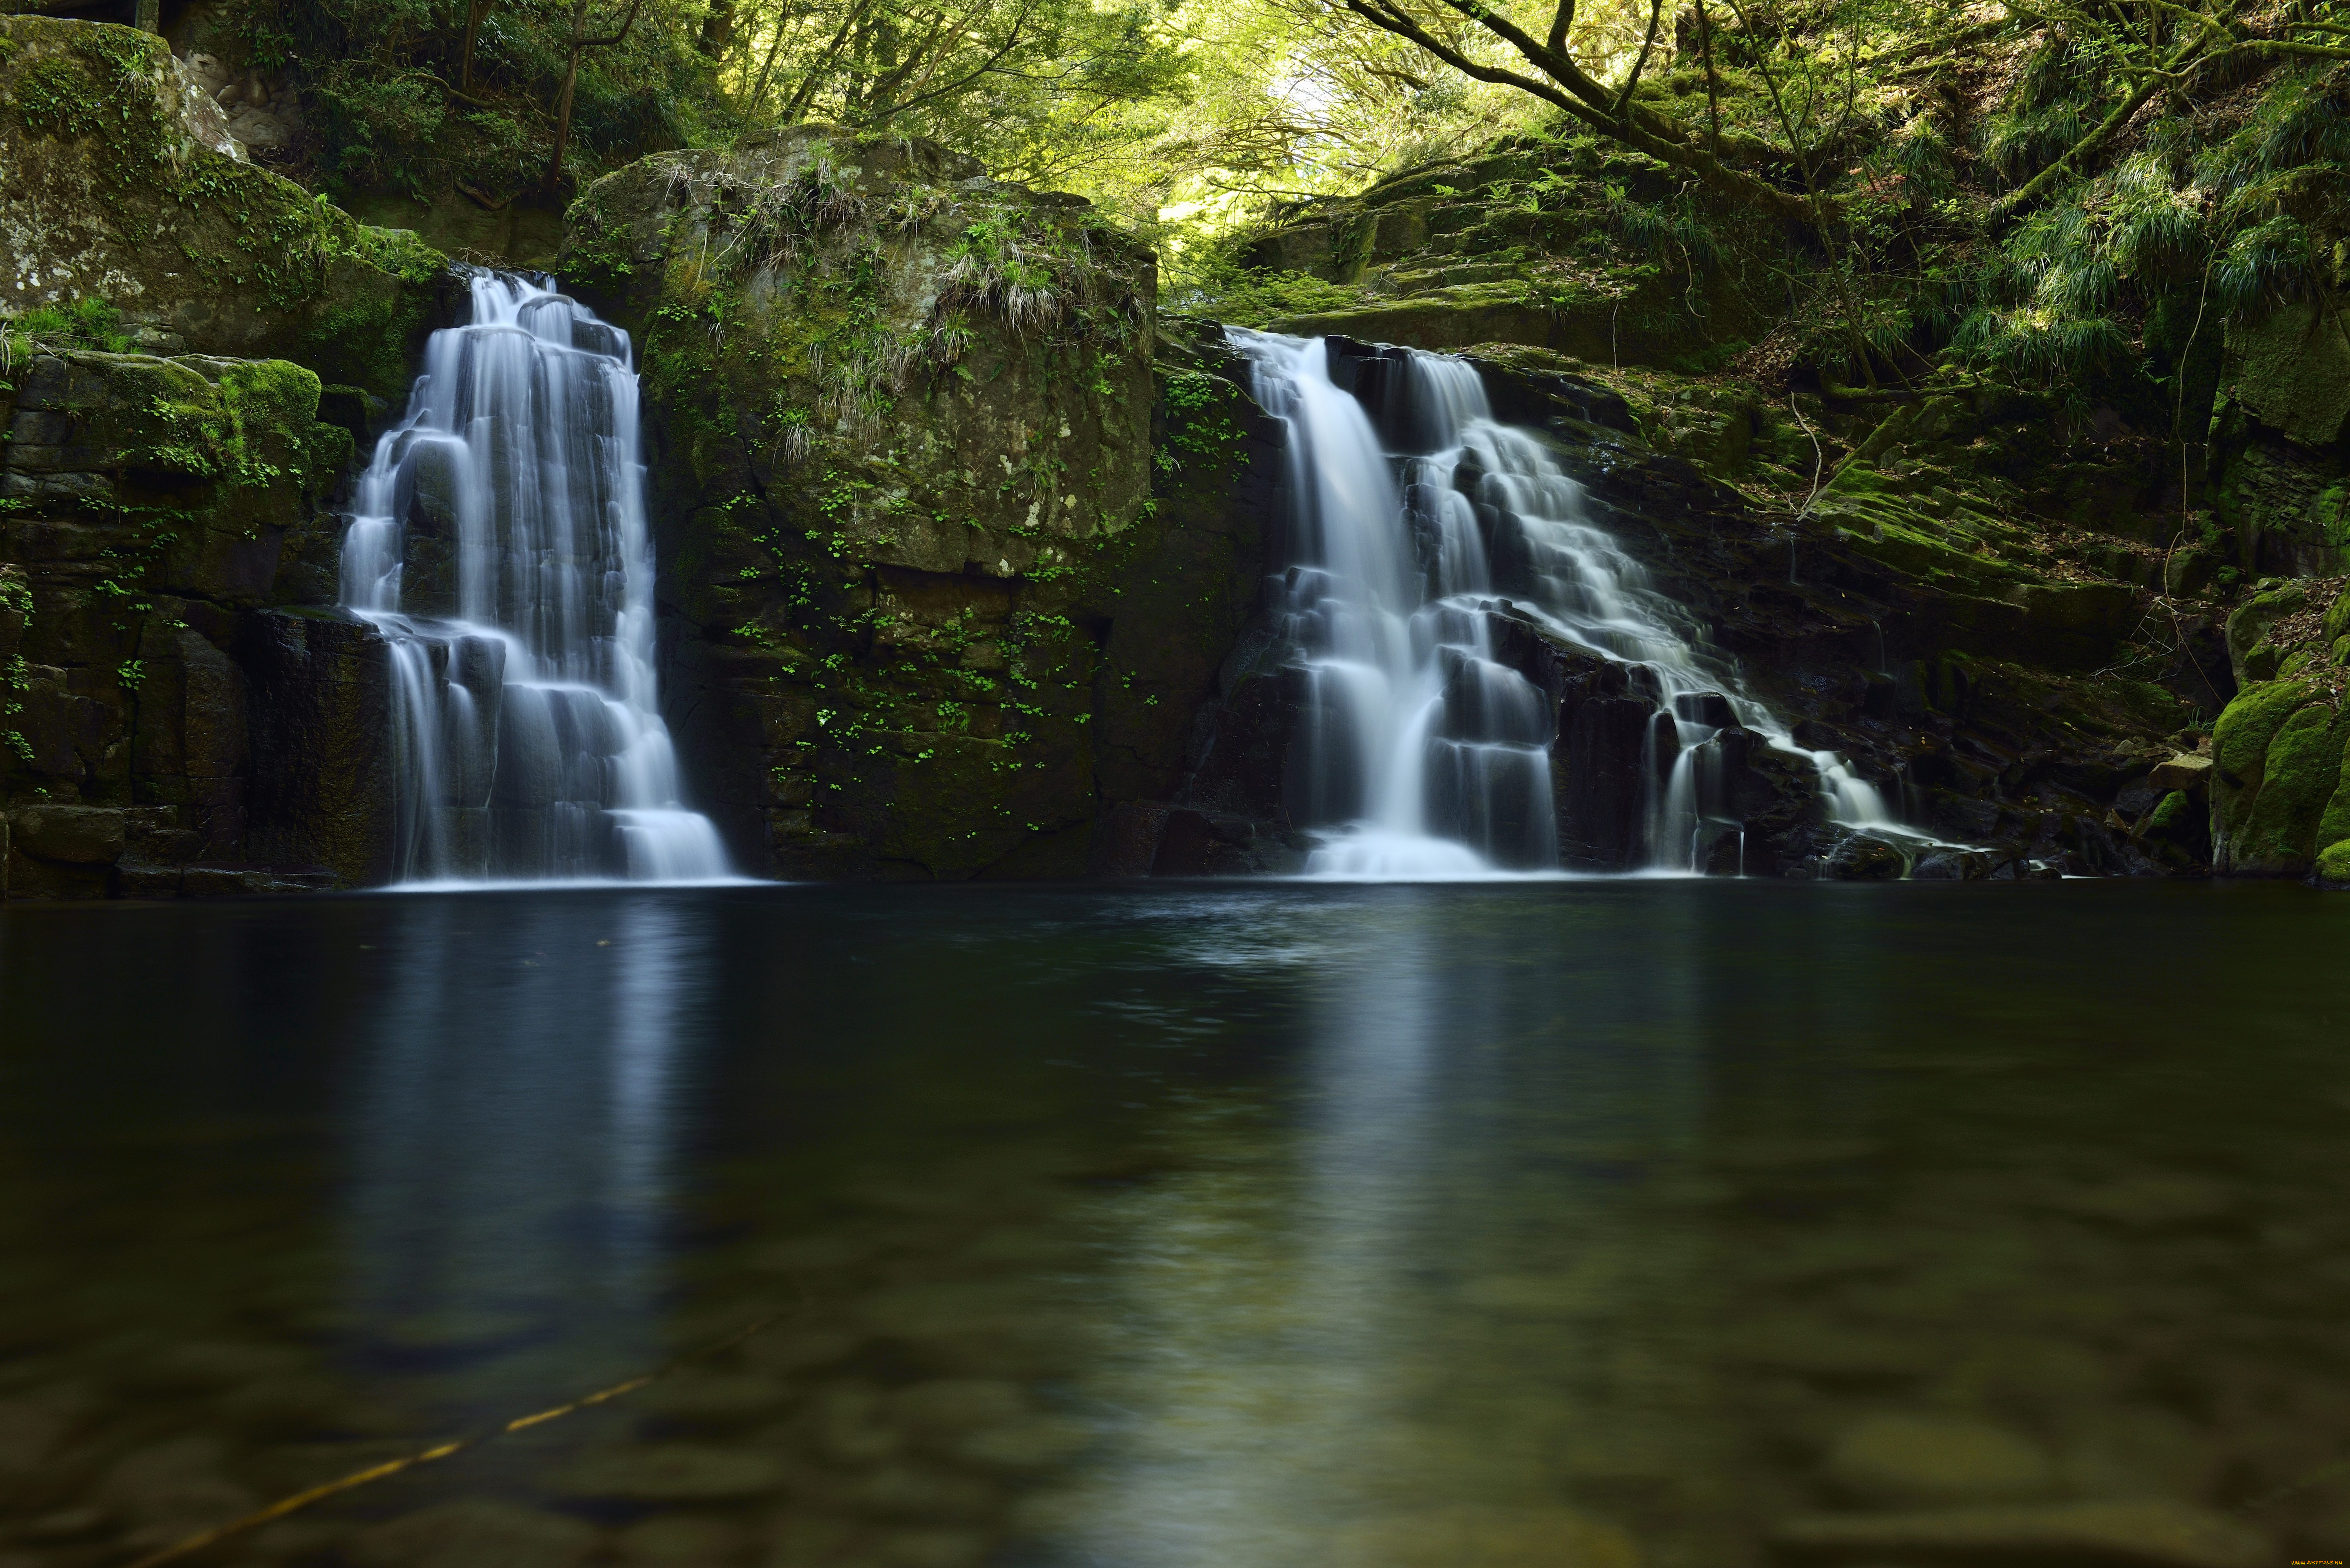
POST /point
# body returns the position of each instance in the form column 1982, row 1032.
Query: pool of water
column 1584, row 1223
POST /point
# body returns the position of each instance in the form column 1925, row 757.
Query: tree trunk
column 474, row 11
column 563, row 102
column 717, row 28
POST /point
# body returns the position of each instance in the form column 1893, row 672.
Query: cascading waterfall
column 1427, row 757
column 500, row 545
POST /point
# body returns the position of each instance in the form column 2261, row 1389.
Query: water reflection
column 1356, row 1228
column 1442, row 1303
column 516, row 1124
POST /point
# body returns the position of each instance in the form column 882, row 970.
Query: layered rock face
column 936, row 596
column 185, row 710
column 163, row 643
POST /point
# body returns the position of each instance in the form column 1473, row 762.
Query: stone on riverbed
column 1488, row 1537
column 2133, row 1534
column 475, row 1532
column 1926, row 1461
column 673, row 1472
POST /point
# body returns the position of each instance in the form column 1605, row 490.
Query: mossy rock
column 2293, row 373
column 908, row 500
column 114, row 192
column 2333, row 866
column 2253, row 656
column 2277, row 775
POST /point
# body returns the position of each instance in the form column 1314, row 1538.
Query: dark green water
column 1576, row 1223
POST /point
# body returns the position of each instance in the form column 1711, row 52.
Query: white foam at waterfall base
column 500, row 545
column 1425, row 758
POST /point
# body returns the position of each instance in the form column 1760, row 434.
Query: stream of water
column 499, row 543
column 1428, row 758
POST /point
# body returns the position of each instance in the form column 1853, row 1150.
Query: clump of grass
column 84, row 324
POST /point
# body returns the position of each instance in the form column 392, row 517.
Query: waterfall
column 499, row 543
column 1426, row 755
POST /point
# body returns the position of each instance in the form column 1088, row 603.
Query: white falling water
column 500, row 545
column 1428, row 758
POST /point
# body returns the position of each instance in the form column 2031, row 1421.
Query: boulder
column 74, row 835
column 2187, row 770
column 2278, row 793
column 118, row 191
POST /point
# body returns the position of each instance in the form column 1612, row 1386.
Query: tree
column 1461, row 33
column 578, row 43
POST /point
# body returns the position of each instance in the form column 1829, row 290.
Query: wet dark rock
column 1601, row 768
column 1707, row 708
column 1863, row 859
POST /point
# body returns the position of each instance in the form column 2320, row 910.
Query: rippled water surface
column 1576, row 1223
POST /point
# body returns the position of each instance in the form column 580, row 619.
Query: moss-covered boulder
column 112, row 191
column 2277, row 793
column 926, row 577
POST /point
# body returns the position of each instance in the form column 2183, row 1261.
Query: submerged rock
column 2120, row 1534
column 674, row 1472
column 476, row 1534
column 1489, row 1537
column 1925, row 1461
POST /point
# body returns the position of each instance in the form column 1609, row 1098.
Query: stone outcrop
column 935, row 594
column 1508, row 248
column 156, row 518
column 118, row 190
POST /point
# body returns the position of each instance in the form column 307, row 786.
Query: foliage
column 84, row 324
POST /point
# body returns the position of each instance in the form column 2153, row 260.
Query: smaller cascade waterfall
column 1427, row 756
column 500, row 545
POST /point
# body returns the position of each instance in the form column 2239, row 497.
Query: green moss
column 2333, row 864
column 256, row 427
column 402, row 252
column 2240, row 741
column 230, row 257
column 2300, row 775
column 2337, row 620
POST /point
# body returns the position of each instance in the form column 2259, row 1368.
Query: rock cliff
column 936, row 595
column 180, row 706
